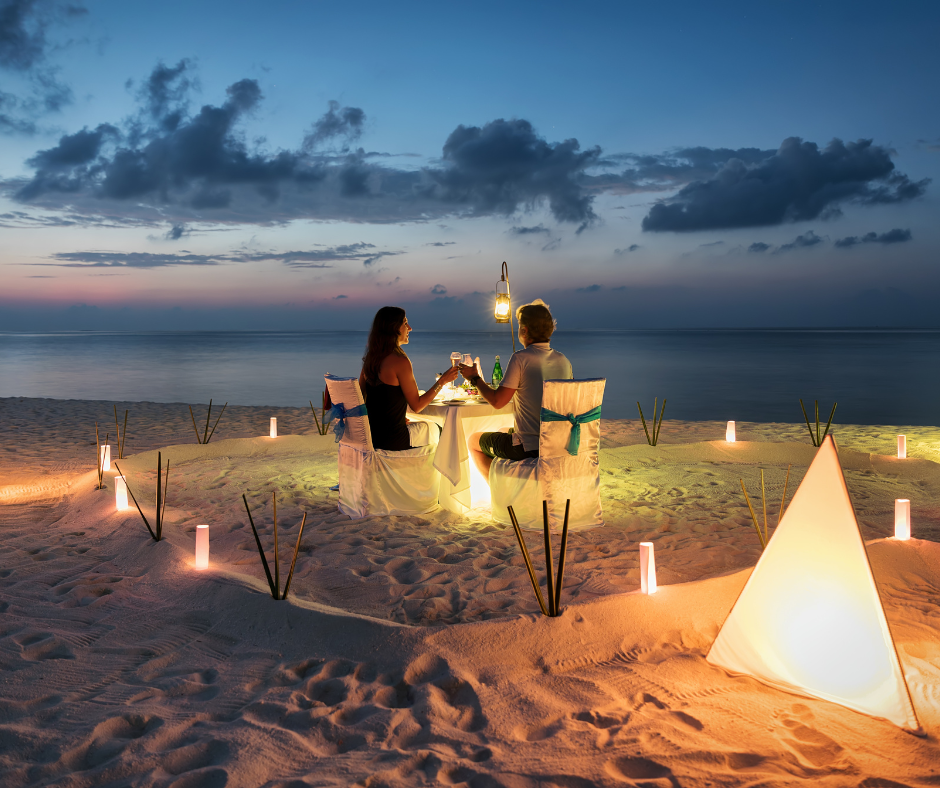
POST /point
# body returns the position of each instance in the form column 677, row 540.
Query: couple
column 388, row 385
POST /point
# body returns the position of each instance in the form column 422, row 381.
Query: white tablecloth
column 462, row 486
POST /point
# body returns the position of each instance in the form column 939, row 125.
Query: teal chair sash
column 574, row 441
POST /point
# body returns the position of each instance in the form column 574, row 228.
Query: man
column 527, row 369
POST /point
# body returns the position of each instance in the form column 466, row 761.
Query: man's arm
column 498, row 397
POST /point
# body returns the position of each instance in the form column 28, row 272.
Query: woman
column 388, row 381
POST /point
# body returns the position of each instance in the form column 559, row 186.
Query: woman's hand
column 449, row 376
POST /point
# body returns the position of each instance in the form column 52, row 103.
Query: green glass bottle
column 497, row 374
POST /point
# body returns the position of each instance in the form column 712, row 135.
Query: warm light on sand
column 479, row 488
column 729, row 432
column 202, row 547
column 902, row 447
column 647, row 568
column 902, row 518
column 120, row 493
column 106, row 457
column 273, row 427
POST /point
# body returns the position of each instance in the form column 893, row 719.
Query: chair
column 567, row 465
column 375, row 481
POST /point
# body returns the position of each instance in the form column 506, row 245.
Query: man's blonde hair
column 537, row 320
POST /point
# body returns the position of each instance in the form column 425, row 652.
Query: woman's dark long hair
column 383, row 341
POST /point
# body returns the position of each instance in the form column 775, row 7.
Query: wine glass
column 455, row 358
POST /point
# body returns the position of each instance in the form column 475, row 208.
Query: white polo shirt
column 526, row 371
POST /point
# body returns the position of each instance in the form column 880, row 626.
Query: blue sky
column 297, row 165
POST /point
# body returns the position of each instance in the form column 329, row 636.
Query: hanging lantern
column 503, row 310
column 202, row 547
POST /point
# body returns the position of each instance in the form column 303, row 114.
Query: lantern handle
column 504, row 277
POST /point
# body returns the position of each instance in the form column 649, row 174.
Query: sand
column 410, row 651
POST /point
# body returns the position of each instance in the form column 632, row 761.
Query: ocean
column 876, row 376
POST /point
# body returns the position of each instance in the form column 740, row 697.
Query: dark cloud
column 757, row 247
column 538, row 229
column 628, row 250
column 439, row 290
column 336, row 298
column 506, row 165
column 311, row 258
column 804, row 241
column 441, row 243
column 24, row 51
column 894, row 236
column 339, row 122
column 589, row 289
column 176, row 232
column 129, row 260
column 798, row 183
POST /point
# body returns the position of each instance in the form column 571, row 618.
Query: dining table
column 462, row 486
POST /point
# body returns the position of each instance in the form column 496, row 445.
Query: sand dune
column 411, row 652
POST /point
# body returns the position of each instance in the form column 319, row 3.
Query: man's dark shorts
column 499, row 444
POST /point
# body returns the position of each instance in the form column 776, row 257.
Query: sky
column 297, row 165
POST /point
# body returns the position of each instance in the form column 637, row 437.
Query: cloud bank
column 799, row 182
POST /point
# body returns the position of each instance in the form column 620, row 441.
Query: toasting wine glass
column 455, row 358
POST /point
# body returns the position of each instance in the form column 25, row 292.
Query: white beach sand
column 410, row 651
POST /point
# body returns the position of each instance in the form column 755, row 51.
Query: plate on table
column 463, row 401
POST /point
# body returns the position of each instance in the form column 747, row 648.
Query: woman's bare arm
column 401, row 366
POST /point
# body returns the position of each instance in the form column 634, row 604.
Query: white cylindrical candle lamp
column 902, row 518
column 729, row 432
column 106, row 457
column 202, row 547
column 273, row 427
column 902, row 447
column 120, row 494
column 647, row 568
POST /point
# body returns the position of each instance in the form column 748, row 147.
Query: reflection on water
column 878, row 377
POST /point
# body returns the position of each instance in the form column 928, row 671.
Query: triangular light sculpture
column 809, row 619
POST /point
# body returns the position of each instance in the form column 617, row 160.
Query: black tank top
column 387, row 406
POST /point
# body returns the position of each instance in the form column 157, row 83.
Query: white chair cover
column 555, row 475
column 375, row 481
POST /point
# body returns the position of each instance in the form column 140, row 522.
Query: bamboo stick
column 760, row 536
column 763, row 500
column 549, row 571
column 806, row 419
column 784, row 498
column 198, row 439
column 528, row 562
column 123, row 436
column 134, row 499
column 644, row 424
column 831, row 414
column 217, row 422
column 166, row 482
column 294, row 560
column 662, row 412
column 277, row 561
column 264, row 561
column 159, row 496
column 208, row 416
column 98, row 455
column 561, row 559
column 817, row 421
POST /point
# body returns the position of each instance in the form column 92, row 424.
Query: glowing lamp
column 106, row 457
column 202, row 547
column 503, row 308
column 120, row 493
column 273, row 427
column 647, row 568
column 729, row 432
column 902, row 447
column 902, row 518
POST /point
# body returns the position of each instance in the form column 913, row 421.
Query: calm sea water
column 877, row 377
